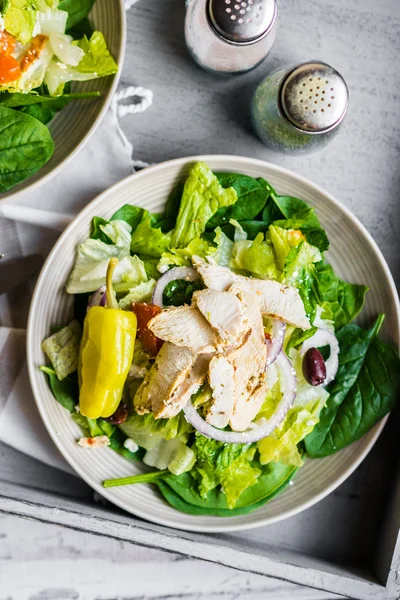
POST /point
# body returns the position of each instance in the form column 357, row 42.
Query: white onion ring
column 323, row 337
column 261, row 430
column 186, row 273
column 274, row 346
column 98, row 298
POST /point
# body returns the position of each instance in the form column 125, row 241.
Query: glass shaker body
column 271, row 122
column 217, row 54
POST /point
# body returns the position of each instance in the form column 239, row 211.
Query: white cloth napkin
column 106, row 159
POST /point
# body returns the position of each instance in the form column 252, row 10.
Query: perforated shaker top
column 314, row 97
column 242, row 21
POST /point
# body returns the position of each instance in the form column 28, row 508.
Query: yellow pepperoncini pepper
column 106, row 354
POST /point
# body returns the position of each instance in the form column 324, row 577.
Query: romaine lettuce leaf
column 202, row 197
column 91, row 264
column 223, row 253
column 182, row 257
column 147, row 432
column 62, row 348
column 281, row 444
column 119, row 232
column 96, row 62
column 20, row 18
column 173, row 455
column 140, row 293
column 255, row 257
column 149, row 240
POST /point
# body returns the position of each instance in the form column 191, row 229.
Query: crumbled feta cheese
column 137, row 372
column 100, row 441
column 131, row 445
column 1, row 23
column 77, row 408
column 162, row 268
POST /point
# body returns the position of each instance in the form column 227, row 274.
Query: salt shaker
column 230, row 36
column 300, row 109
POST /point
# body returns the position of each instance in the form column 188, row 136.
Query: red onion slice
column 186, row 273
column 274, row 346
column 321, row 338
column 98, row 298
column 261, row 429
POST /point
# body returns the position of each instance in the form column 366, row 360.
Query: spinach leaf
column 252, row 196
column 364, row 391
column 341, row 301
column 252, row 228
column 133, row 215
column 77, row 10
column 80, row 29
column 25, row 147
column 16, row 100
column 174, row 202
column 97, row 233
column 180, row 292
column 66, row 391
column 298, row 337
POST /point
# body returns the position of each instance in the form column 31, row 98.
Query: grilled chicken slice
column 158, row 389
column 276, row 299
column 189, row 386
column 214, row 276
column 248, row 362
column 247, row 409
column 221, row 381
column 225, row 313
column 185, row 326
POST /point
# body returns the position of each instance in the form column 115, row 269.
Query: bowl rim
column 11, row 196
column 31, row 342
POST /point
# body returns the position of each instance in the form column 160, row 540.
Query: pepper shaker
column 300, row 109
column 230, row 36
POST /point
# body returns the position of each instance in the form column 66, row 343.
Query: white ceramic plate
column 73, row 126
column 353, row 253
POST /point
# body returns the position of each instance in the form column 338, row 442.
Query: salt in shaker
column 298, row 110
column 230, row 36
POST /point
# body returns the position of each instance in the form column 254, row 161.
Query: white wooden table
column 195, row 113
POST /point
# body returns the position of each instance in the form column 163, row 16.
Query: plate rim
column 226, row 526
column 12, row 196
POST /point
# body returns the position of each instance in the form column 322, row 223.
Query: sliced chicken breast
column 246, row 410
column 276, row 299
column 225, row 313
column 189, row 386
column 158, row 389
column 221, row 379
column 185, row 326
column 248, row 360
column 214, row 277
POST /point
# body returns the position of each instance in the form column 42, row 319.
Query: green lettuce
column 119, row 233
column 255, row 257
column 89, row 272
column 147, row 431
column 62, row 348
column 96, row 62
column 19, row 19
column 228, row 465
column 281, row 445
column 172, row 454
column 182, row 257
column 148, row 240
column 202, row 197
column 140, row 293
column 223, row 253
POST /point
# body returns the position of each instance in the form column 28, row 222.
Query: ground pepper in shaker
column 229, row 36
column 299, row 110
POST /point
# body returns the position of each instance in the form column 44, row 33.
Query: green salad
column 215, row 345
column 45, row 45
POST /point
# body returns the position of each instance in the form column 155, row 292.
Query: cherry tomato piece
column 144, row 313
column 7, row 43
column 9, row 69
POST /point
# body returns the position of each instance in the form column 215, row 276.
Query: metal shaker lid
column 314, row 97
column 242, row 21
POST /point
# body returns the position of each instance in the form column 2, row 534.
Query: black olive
column 314, row 369
column 119, row 416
